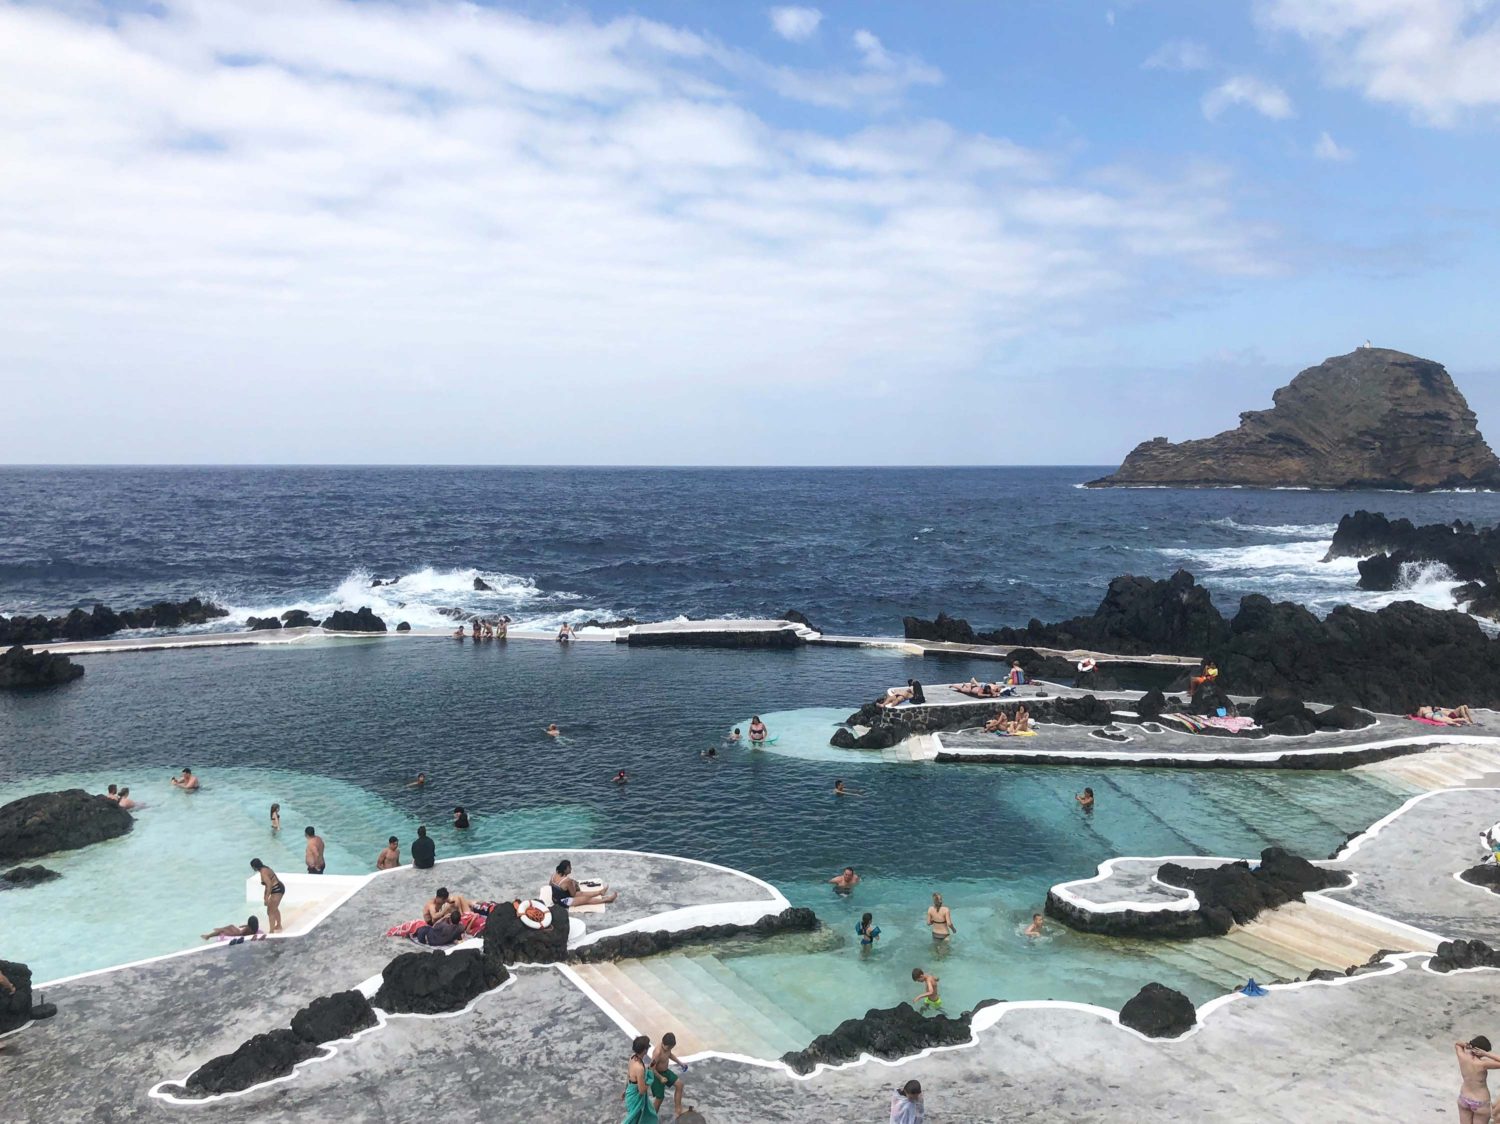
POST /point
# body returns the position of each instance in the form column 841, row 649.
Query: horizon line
column 535, row 464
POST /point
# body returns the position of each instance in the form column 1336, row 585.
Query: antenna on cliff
column 1363, row 346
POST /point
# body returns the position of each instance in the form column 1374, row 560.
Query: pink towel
column 1427, row 721
column 405, row 929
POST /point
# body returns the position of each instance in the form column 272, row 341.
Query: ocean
column 855, row 549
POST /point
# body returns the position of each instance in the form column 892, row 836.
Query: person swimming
column 125, row 801
column 845, row 881
column 734, row 737
column 552, row 730
column 711, row 753
column 621, row 777
column 460, row 819
column 1085, row 799
column 275, row 818
column 1035, row 928
column 420, row 782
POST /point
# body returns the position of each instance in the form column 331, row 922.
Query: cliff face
column 1374, row 418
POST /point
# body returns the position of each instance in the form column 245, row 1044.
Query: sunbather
column 251, row 929
column 896, row 696
column 567, row 892
column 1446, row 716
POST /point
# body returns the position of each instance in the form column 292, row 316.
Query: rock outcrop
column 20, row 876
column 20, row 1007
column 262, row 1058
column 45, row 822
column 889, row 1033
column 331, row 1017
column 1159, row 1012
column 1392, row 553
column 626, row 946
column 261, row 624
column 103, row 621
column 21, row 667
column 1374, row 418
column 343, row 620
column 1453, row 955
column 508, row 941
column 433, row 983
column 298, row 618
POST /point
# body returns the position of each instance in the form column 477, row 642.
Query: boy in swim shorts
column 929, row 1000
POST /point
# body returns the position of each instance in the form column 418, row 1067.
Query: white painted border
column 1142, row 757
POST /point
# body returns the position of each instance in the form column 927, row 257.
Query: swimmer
column 113, row 794
column 458, row 633
column 313, row 852
column 734, row 737
column 840, row 790
column 929, row 1000
column 390, row 857
column 251, row 929
column 552, row 730
column 275, row 818
column 868, row 933
column 711, row 753
column 460, row 819
column 845, row 881
column 940, row 919
column 420, row 782
column 621, row 778
column 1085, row 799
column 125, row 801
column 757, row 730
column 1035, row 928
column 187, row 782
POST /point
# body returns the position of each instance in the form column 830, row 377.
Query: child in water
column 868, row 933
column 929, row 1000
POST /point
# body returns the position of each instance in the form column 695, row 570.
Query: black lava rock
column 797, row 618
column 1151, row 705
column 15, row 1010
column 298, row 618
column 21, row 667
column 262, row 624
column 482, row 586
column 627, row 946
column 1210, row 699
column 1083, row 711
column 944, row 628
column 1343, row 717
column 103, row 621
column 58, row 821
column 1235, row 893
column 843, row 738
column 508, row 941
column 1379, row 572
column 26, row 876
column 1159, row 1012
column 890, row 1033
column 263, row 1058
column 331, row 1017
column 1464, row 954
column 431, row 983
column 403, row 627
column 1485, row 874
column 363, row 621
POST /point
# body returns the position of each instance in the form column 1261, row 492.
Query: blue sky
column 1009, row 232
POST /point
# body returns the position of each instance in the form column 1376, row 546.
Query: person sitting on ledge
column 187, row 782
column 423, row 850
column 474, row 624
column 1017, row 676
column 1208, row 673
column 564, row 634
column 845, row 881
column 502, row 628
column 1021, row 723
column 443, row 902
column 251, row 929
column 567, row 892
column 390, row 858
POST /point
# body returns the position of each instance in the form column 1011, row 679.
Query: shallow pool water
column 337, row 731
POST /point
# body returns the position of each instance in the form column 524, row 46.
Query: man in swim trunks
column 187, row 782
column 443, row 902
column 940, row 919
column 271, row 893
column 845, row 881
column 390, row 858
column 659, row 1074
column 420, row 782
column 929, row 1000
column 313, row 854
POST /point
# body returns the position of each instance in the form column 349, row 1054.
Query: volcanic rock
column 331, row 1017
column 261, row 624
column 403, row 627
column 20, row 876
column 1234, row 893
column 298, row 618
column 1343, row 717
column 1464, row 954
column 944, row 629
column 58, row 821
column 1485, row 874
column 797, row 618
column 889, row 1033
column 15, row 1010
column 480, row 585
column 1150, row 705
column 262, row 1058
column 1159, row 1012
column 431, row 983
column 794, row 919
column 21, row 667
column 508, row 941
column 363, row 621
column 1374, row 418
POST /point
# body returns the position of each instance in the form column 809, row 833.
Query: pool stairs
column 1448, row 766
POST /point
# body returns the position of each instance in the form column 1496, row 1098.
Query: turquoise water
column 340, row 729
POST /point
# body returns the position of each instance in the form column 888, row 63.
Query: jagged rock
column 430, row 983
column 262, row 1058
column 298, row 618
column 482, row 586
column 21, row 667
column 508, row 941
column 595, row 622
column 1374, row 418
column 1151, row 705
column 378, row 582
column 20, row 876
column 1324, row 974
column 1379, row 572
column 634, row 945
column 403, row 627
column 1210, row 699
column 1159, row 1012
column 45, row 822
column 15, row 1010
column 331, row 1017
column 1067, row 710
column 261, row 624
column 944, row 628
column 1095, row 680
column 1278, row 705
column 797, row 618
column 1343, row 717
column 889, row 1033
column 363, row 621
column 1473, row 555
column 1234, row 892
column 843, row 738
column 1451, row 955
column 103, row 621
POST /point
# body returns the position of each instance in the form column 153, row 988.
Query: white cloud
column 1266, row 99
column 1329, row 149
column 1179, row 54
column 796, row 24
column 1435, row 58
column 415, row 214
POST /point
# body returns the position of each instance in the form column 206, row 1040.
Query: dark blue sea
column 855, row 549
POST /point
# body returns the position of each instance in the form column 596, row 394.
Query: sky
column 693, row 232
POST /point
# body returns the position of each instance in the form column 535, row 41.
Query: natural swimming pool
column 334, row 730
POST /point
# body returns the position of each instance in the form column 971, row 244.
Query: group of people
column 1445, row 715
column 484, row 629
column 648, row 1076
column 185, row 781
column 977, row 690
column 1018, row 722
column 912, row 694
column 117, row 794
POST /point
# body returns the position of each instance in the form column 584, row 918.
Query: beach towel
column 1234, row 725
column 405, row 929
column 638, row 1107
column 1426, row 721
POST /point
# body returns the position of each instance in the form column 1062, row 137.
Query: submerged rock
column 45, row 822
column 1374, row 418
column 432, row 983
column 889, row 1033
column 20, row 876
column 363, row 621
column 1159, row 1012
column 21, row 667
column 482, row 586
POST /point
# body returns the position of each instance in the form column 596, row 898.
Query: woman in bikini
column 567, row 893
column 637, row 1095
column 272, row 892
column 275, row 818
column 251, row 929
column 940, row 919
column 757, row 730
column 1474, row 1063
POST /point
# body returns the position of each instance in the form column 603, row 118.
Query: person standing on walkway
column 271, row 893
column 906, row 1104
column 638, row 1106
column 314, row 853
column 1474, row 1064
column 423, row 851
